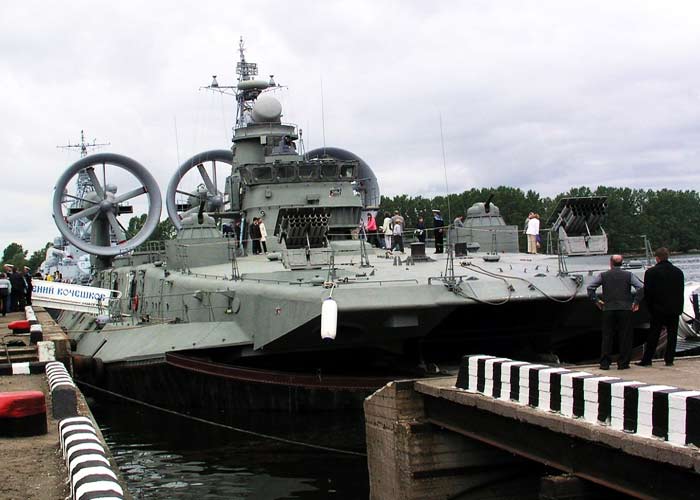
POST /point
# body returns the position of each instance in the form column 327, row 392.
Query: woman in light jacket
column 263, row 235
column 387, row 230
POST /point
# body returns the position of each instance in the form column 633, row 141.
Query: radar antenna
column 245, row 94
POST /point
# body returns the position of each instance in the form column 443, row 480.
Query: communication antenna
column 323, row 119
column 245, row 95
column 83, row 146
column 444, row 167
column 83, row 185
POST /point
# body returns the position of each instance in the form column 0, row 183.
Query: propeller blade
column 66, row 195
column 129, row 195
column 84, row 213
column 117, row 227
column 211, row 187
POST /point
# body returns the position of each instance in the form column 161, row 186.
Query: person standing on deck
column 617, row 305
column 420, row 229
column 532, row 231
column 371, row 230
column 397, row 231
column 255, row 235
column 438, row 230
column 664, row 286
column 263, row 235
column 386, row 229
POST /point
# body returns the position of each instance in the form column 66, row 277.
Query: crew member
column 438, row 230
column 663, row 291
column 617, row 305
column 28, row 290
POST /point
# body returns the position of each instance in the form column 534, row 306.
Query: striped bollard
column 64, row 398
column 90, row 473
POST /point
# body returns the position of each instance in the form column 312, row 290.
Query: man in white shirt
column 533, row 229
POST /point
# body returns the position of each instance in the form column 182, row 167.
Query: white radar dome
column 267, row 109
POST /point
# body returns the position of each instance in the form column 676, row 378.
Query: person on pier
column 663, row 291
column 618, row 304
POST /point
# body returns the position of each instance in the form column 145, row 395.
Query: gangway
column 70, row 297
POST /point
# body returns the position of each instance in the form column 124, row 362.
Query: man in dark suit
column 663, row 290
column 19, row 287
column 28, row 290
column 618, row 304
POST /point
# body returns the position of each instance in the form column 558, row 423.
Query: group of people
column 390, row 235
column 258, row 235
column 256, row 230
column 662, row 291
column 15, row 289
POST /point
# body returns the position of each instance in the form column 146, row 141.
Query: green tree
column 14, row 254
column 669, row 218
column 37, row 258
column 164, row 230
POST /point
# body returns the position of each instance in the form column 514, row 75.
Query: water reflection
column 164, row 456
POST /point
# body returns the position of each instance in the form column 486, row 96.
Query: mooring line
column 224, row 426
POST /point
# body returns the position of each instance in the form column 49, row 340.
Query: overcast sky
column 543, row 95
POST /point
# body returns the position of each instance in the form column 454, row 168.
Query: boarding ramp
column 70, row 297
column 577, row 224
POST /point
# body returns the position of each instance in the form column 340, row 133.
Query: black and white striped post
column 25, row 368
column 648, row 410
column 64, row 395
column 91, row 475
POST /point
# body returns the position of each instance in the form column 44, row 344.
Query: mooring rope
column 224, row 426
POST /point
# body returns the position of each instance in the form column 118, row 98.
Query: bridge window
column 307, row 171
column 329, row 171
column 262, row 173
column 285, row 172
column 347, row 171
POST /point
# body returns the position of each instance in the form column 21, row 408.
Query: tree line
column 669, row 218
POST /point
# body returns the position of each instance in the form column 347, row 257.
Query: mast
column 83, row 184
column 246, row 90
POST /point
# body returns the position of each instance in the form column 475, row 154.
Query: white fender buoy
column 329, row 318
column 685, row 325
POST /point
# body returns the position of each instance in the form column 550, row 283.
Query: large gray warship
column 323, row 318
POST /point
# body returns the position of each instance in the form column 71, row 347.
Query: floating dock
column 593, row 432
column 50, row 443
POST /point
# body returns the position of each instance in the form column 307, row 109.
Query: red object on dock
column 22, row 413
column 21, row 326
column 21, row 404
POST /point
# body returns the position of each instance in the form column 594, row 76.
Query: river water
column 168, row 457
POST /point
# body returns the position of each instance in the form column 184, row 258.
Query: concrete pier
column 36, row 466
column 629, row 431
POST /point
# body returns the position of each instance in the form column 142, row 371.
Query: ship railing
column 338, row 282
column 154, row 249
